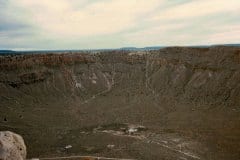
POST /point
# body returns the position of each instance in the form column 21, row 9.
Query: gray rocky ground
column 174, row 103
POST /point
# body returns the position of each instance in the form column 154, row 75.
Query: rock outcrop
column 12, row 146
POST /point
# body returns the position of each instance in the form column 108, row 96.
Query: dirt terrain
column 175, row 103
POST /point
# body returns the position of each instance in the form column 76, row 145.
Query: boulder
column 12, row 146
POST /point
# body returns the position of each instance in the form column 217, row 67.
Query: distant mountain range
column 8, row 52
column 233, row 45
column 159, row 47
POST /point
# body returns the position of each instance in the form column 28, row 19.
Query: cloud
column 73, row 24
column 198, row 8
column 191, row 23
column 102, row 17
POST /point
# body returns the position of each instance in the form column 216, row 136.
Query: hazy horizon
column 124, row 48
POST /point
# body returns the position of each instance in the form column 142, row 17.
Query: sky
column 97, row 24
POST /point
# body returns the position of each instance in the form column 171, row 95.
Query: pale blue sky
column 91, row 24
